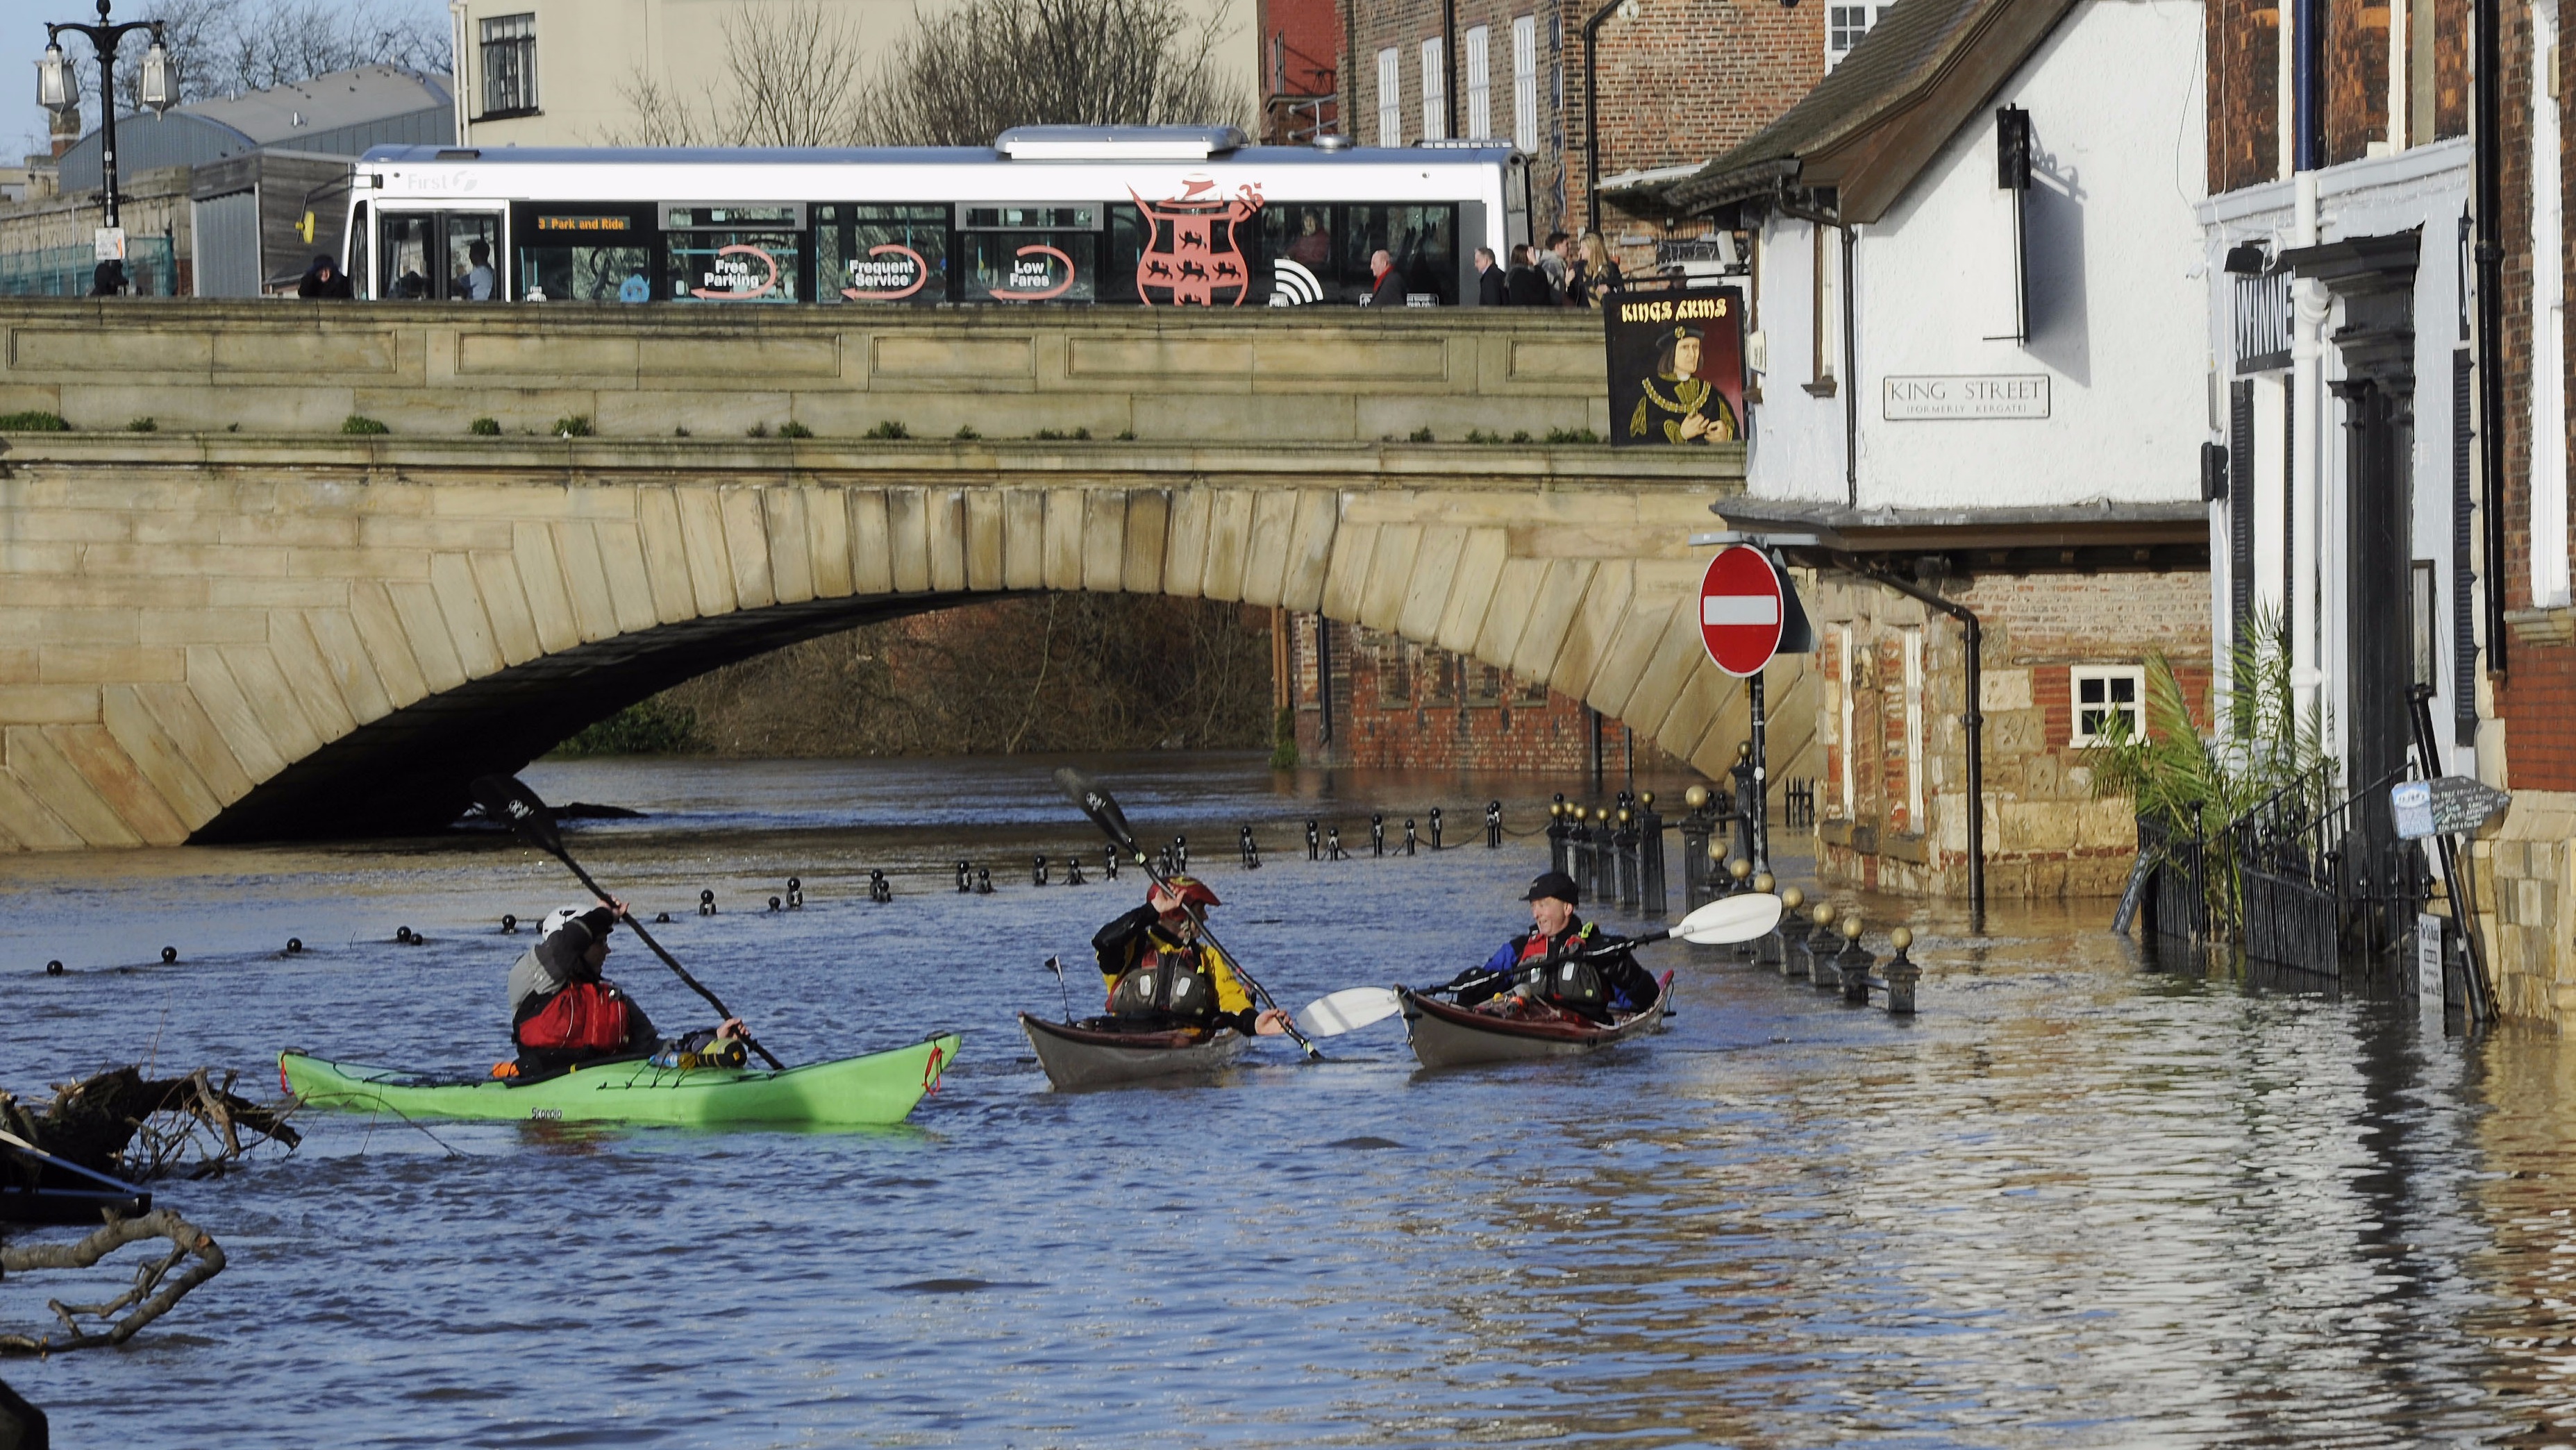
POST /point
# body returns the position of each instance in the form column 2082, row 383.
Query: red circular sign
column 1739, row 610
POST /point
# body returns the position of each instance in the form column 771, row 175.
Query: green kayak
column 878, row 1088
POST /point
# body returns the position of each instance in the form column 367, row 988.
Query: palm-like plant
column 2192, row 785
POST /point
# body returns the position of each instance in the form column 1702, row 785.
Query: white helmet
column 556, row 918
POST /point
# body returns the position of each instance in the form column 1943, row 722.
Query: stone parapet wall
column 1257, row 375
column 2526, row 866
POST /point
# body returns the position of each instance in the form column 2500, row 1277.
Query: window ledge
column 2542, row 626
column 1820, row 388
column 523, row 111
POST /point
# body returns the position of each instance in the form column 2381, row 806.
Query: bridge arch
column 333, row 640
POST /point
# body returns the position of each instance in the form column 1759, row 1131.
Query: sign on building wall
column 1676, row 366
column 1974, row 395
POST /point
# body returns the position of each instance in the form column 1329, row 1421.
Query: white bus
column 1157, row 216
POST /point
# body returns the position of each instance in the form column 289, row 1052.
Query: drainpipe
column 456, row 72
column 1973, row 637
column 1816, row 216
column 1592, row 111
column 1449, row 68
column 2308, row 305
column 2486, row 62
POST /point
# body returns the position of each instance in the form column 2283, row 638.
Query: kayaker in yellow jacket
column 1159, row 973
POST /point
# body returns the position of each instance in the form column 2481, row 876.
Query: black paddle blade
column 516, row 806
column 1099, row 805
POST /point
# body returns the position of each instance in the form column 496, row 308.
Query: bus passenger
column 1312, row 246
column 477, row 285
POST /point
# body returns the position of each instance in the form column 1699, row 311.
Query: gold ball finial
column 1823, row 915
column 1744, row 750
column 1764, row 881
column 1903, row 937
column 1791, row 900
column 1623, row 815
column 1851, row 927
column 1739, row 868
column 1717, row 850
column 1648, row 799
column 1555, row 809
column 1695, row 797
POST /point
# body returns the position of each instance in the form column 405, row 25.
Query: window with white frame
column 509, row 64
column 1844, row 27
column 2104, row 691
column 1525, row 83
column 1435, row 91
column 1390, row 97
column 1480, row 85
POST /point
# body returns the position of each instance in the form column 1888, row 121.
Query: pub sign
column 1676, row 366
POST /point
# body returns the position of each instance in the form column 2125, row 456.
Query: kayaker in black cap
column 1532, row 965
column 564, row 1013
column 1160, row 975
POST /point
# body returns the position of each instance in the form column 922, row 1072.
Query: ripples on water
column 2080, row 1201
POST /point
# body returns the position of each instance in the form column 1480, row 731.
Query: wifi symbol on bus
column 1291, row 285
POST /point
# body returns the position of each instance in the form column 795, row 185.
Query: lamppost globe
column 159, row 88
column 56, row 87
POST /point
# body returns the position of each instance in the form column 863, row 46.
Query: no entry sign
column 1739, row 610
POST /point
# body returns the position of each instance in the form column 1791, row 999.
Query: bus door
column 447, row 255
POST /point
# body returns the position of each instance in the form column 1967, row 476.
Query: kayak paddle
column 514, row 805
column 1102, row 808
column 1723, row 922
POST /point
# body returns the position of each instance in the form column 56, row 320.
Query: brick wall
column 1682, row 82
column 1300, row 42
column 2355, row 73
column 1419, row 707
column 2244, row 92
column 2046, row 835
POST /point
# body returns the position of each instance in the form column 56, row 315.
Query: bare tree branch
column 149, row 1296
column 964, row 75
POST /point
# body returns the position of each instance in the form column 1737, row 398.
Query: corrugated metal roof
column 340, row 114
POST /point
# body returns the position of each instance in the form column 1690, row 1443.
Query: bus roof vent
column 1117, row 143
column 459, row 153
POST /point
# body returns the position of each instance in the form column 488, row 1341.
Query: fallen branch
column 148, row 1299
column 129, row 1126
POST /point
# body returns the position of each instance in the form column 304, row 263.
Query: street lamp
column 58, row 89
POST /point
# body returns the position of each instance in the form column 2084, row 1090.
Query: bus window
column 736, row 253
column 1044, row 253
column 1298, row 238
column 473, row 257
column 585, row 254
column 405, row 242
column 1423, row 240
column 880, row 253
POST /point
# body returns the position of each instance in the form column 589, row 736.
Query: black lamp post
column 58, row 89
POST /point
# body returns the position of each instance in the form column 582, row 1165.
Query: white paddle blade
column 1731, row 919
column 1347, row 1010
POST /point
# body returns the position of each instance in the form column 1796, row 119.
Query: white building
column 1980, row 388
column 566, row 72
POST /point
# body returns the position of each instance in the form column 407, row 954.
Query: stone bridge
column 219, row 635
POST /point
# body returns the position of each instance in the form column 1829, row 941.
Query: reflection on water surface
column 2080, row 1201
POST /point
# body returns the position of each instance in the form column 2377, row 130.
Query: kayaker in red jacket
column 1160, row 973
column 1559, row 937
column 564, row 1013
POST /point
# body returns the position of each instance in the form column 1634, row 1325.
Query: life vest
column 1175, row 984
column 582, row 1017
column 1572, row 984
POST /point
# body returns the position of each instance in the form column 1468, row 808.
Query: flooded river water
column 2079, row 1201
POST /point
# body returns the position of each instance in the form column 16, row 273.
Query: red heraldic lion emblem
column 1192, row 254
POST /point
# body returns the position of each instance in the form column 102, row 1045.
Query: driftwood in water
column 128, row 1126
column 152, row 1293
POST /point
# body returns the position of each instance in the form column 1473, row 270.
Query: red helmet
column 1189, row 890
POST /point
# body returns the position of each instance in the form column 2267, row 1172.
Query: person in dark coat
column 325, row 279
column 1490, row 291
column 108, row 280
column 1525, row 285
column 1388, row 290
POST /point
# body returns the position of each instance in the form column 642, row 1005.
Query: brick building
column 1673, row 82
column 1301, row 46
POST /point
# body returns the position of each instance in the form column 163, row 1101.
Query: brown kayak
column 1444, row 1034
column 1083, row 1055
